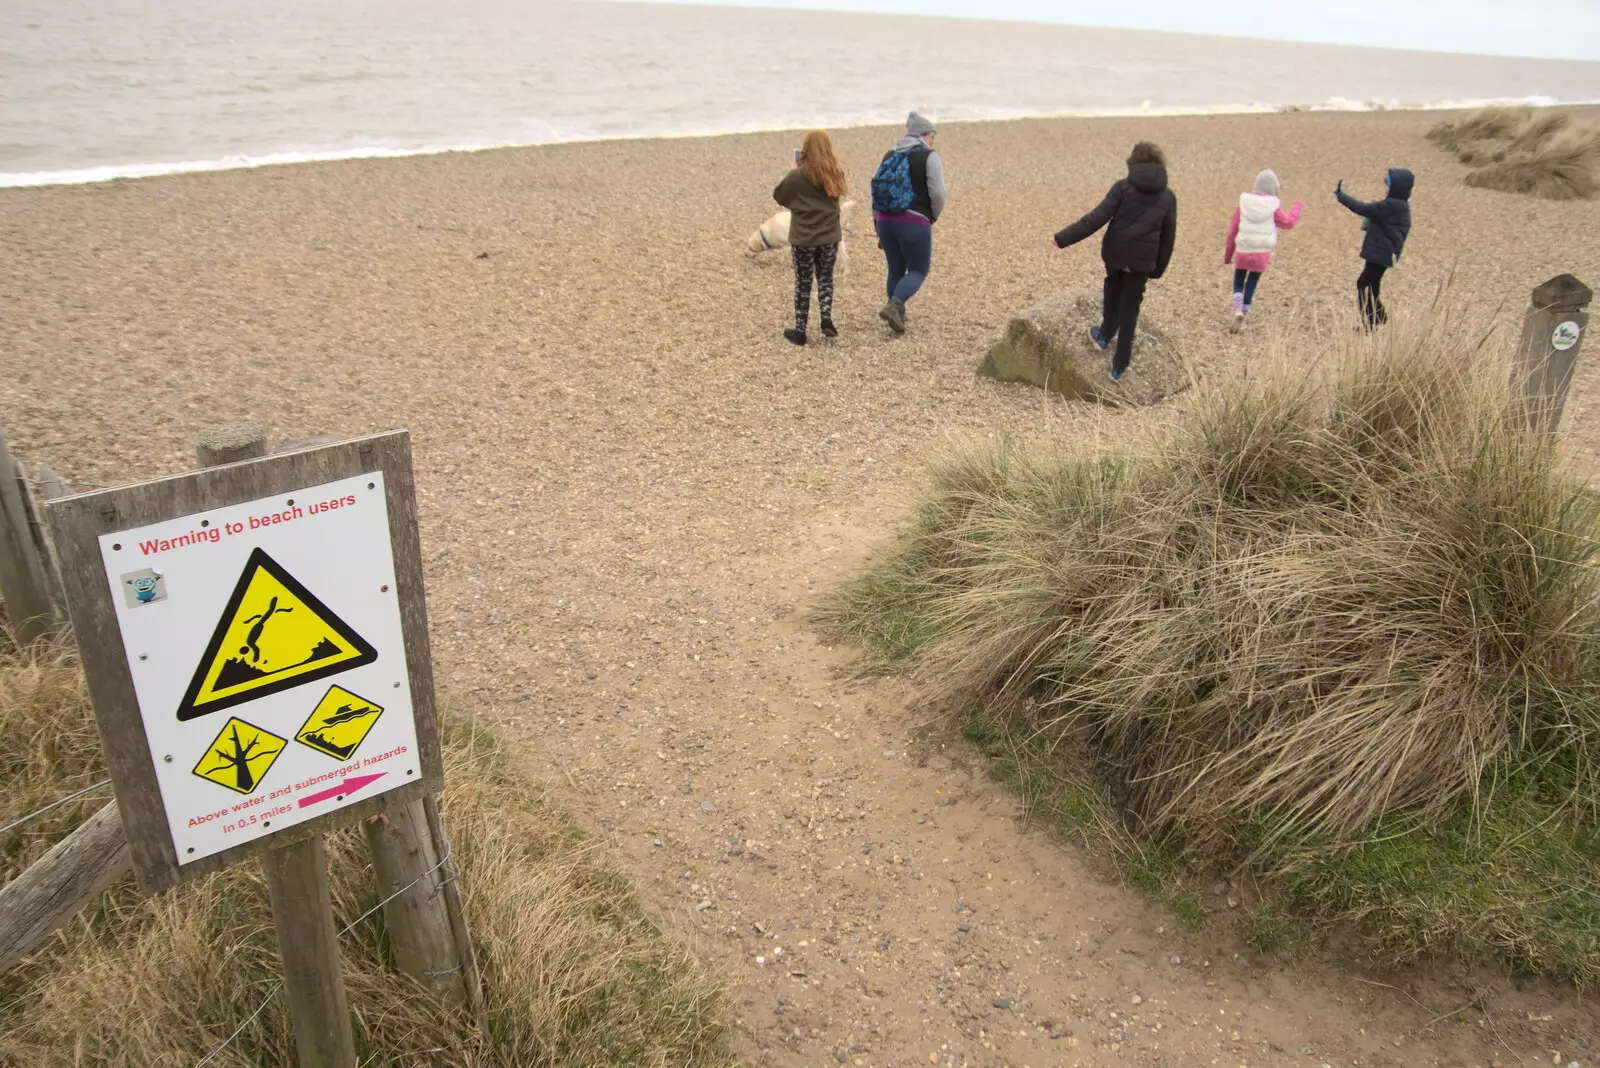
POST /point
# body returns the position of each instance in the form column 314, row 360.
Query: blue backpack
column 891, row 185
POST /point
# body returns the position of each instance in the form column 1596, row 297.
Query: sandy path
column 632, row 491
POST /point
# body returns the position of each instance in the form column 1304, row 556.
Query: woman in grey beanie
column 908, row 196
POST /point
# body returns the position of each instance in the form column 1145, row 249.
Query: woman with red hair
column 811, row 192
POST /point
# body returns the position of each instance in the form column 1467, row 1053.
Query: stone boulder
column 1049, row 346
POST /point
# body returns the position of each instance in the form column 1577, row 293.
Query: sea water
column 99, row 89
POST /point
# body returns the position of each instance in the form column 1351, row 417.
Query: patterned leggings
column 816, row 261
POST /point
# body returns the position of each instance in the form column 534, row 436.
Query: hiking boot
column 1238, row 323
column 1099, row 338
column 828, row 329
column 795, row 337
column 894, row 313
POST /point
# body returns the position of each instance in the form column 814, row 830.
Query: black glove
column 1339, row 188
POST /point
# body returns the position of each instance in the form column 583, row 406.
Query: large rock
column 1049, row 346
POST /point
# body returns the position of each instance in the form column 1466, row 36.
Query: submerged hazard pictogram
column 339, row 723
column 239, row 756
column 274, row 634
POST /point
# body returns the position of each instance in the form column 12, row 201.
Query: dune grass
column 1341, row 627
column 575, row 973
column 1543, row 153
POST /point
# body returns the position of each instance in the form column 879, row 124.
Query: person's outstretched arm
column 1285, row 220
column 1360, row 207
column 1169, row 238
column 936, row 190
column 1093, row 221
column 1233, row 237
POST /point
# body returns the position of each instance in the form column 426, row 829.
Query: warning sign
column 273, row 634
column 282, row 615
column 240, row 756
column 339, row 723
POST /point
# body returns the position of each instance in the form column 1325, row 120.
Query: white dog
column 773, row 235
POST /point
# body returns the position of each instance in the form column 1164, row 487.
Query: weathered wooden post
column 297, row 874
column 217, row 742
column 23, row 581
column 1552, row 336
column 230, row 443
column 81, row 867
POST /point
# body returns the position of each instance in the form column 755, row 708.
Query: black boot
column 795, row 337
column 828, row 329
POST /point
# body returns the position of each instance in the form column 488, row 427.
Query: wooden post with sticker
column 1552, row 337
column 255, row 641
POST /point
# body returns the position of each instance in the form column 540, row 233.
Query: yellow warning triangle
column 274, row 634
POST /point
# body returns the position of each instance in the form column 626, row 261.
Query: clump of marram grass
column 1326, row 602
column 574, row 972
column 1520, row 150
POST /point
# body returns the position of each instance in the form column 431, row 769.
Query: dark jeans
column 1124, row 296
column 1369, row 288
column 1245, row 282
column 908, row 248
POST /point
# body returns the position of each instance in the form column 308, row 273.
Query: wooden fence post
column 450, row 891
column 23, row 582
column 230, row 443
column 47, row 487
column 1552, row 336
column 297, row 874
column 406, row 860
column 80, row 867
column 313, row 977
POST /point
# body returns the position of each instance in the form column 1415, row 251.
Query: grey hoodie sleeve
column 936, row 191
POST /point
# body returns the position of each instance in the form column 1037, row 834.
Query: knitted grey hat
column 918, row 124
column 1267, row 184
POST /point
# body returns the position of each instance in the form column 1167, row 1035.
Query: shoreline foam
column 115, row 172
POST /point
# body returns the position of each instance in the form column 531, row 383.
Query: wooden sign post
column 255, row 641
column 1552, row 337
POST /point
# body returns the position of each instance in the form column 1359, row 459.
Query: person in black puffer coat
column 1388, row 224
column 1140, row 215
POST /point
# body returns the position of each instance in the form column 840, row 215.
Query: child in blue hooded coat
column 1388, row 224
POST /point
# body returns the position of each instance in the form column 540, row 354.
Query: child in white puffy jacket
column 1252, row 235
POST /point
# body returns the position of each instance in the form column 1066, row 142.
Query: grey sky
column 1568, row 29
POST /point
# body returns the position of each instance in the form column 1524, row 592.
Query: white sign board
column 265, row 646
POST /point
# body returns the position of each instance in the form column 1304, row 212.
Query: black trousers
column 1368, row 289
column 1124, row 296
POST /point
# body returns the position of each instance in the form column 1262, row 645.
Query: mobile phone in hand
column 797, row 157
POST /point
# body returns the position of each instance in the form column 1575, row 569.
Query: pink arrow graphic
column 347, row 786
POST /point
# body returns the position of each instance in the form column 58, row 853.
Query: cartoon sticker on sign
column 291, row 592
column 273, row 634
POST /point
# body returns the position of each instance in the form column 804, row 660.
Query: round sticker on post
column 1565, row 336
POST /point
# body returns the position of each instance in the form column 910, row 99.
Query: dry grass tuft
column 1327, row 601
column 1519, row 150
column 575, row 973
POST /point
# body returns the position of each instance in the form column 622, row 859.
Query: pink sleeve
column 1287, row 219
column 1233, row 236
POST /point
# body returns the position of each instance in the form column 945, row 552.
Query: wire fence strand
column 346, row 929
column 14, row 824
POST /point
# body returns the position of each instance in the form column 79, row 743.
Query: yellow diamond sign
column 240, row 756
column 339, row 723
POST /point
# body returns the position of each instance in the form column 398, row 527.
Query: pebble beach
column 632, row 489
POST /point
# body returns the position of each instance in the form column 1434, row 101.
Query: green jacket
column 814, row 215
